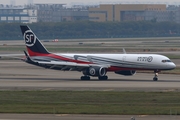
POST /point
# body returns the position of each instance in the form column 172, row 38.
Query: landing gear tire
column 155, row 79
column 103, row 77
column 155, row 76
column 85, row 78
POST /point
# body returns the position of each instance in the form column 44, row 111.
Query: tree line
column 88, row 29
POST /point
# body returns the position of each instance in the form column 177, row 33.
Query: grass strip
column 90, row 102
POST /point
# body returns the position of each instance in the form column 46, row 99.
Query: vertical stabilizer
column 33, row 44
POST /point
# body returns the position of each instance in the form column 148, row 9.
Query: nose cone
column 172, row 66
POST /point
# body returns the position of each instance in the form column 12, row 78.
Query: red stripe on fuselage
column 31, row 53
column 114, row 68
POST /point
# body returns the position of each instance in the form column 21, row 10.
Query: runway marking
column 170, row 90
column 62, row 115
column 47, row 89
column 108, row 90
column 143, row 115
column 8, row 119
column 11, row 62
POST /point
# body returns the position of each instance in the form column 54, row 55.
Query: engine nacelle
column 126, row 72
column 95, row 71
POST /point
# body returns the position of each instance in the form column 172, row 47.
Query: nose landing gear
column 156, row 72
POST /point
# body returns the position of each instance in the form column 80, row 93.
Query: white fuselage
column 131, row 61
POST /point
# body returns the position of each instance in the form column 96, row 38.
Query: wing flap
column 70, row 66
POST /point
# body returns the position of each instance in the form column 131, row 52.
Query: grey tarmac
column 17, row 75
column 85, row 117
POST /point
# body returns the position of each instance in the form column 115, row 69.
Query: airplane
column 92, row 65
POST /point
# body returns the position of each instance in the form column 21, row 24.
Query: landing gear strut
column 155, row 75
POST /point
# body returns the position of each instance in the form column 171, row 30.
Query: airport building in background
column 133, row 12
column 58, row 13
column 33, row 13
column 41, row 13
column 19, row 14
column 175, row 10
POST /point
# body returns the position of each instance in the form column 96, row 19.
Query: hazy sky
column 70, row 2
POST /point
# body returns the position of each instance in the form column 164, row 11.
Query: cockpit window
column 164, row 61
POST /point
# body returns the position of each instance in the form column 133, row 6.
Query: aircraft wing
column 69, row 65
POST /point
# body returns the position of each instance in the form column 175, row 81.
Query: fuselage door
column 124, row 58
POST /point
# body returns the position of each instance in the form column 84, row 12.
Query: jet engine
column 126, row 72
column 95, row 71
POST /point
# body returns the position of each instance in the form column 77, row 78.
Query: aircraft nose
column 173, row 65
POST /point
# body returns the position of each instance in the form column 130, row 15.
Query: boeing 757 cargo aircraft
column 92, row 65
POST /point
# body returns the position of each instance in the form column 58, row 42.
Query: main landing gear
column 99, row 77
column 156, row 75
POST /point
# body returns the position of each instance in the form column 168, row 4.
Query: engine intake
column 95, row 71
column 126, row 72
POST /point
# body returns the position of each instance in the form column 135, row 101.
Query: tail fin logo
column 30, row 38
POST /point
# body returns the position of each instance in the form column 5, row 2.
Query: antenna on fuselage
column 124, row 51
